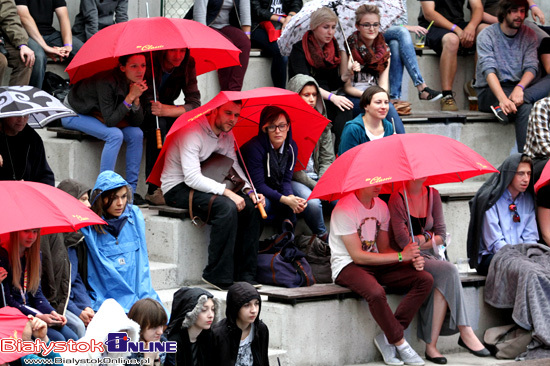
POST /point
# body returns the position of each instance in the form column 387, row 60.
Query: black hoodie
column 227, row 335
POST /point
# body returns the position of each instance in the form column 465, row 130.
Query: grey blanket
column 519, row 278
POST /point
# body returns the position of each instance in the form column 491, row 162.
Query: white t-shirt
column 244, row 357
column 350, row 216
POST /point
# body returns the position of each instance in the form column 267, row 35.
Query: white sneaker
column 409, row 356
column 387, row 350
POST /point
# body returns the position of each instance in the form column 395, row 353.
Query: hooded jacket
column 489, row 193
column 186, row 307
column 354, row 133
column 270, row 174
column 95, row 15
column 227, row 335
column 118, row 267
column 323, row 154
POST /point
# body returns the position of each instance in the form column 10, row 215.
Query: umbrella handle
column 159, row 139
column 261, row 208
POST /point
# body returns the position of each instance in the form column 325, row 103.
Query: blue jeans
column 39, row 68
column 61, row 334
column 402, row 54
column 260, row 39
column 113, row 137
column 313, row 214
column 76, row 324
column 392, row 114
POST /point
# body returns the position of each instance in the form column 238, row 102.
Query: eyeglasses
column 282, row 127
column 513, row 208
column 368, row 25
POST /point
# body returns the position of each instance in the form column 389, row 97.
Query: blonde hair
column 366, row 9
column 32, row 257
column 322, row 16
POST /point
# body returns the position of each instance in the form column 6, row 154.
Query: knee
column 403, row 34
column 225, row 209
column 135, row 134
column 425, row 279
column 376, row 294
column 115, row 136
column 450, row 43
column 3, row 63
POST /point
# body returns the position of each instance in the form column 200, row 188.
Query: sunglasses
column 513, row 208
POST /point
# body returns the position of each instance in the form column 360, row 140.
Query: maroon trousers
column 367, row 281
column 231, row 78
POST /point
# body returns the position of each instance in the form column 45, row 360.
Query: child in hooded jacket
column 241, row 339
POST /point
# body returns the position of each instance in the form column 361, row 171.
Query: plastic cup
column 420, row 41
column 462, row 266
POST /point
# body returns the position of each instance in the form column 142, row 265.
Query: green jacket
column 10, row 23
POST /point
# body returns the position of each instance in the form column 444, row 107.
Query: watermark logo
column 117, row 342
column 121, row 342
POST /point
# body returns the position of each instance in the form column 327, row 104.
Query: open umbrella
column 345, row 9
column 12, row 324
column 41, row 107
column 30, row 205
column 209, row 48
column 307, row 123
column 400, row 158
column 543, row 179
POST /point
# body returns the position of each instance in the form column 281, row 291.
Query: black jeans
column 233, row 248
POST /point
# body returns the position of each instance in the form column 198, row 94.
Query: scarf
column 373, row 59
column 320, row 58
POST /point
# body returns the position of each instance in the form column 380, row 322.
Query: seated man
column 502, row 212
column 22, row 154
column 44, row 40
column 507, row 65
column 537, row 146
column 448, row 34
column 174, row 74
column 363, row 261
column 233, row 248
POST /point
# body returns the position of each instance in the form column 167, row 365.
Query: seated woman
column 118, row 263
column 20, row 257
column 109, row 108
column 371, row 125
column 272, row 12
column 319, row 56
column 270, row 158
column 305, row 180
column 426, row 216
column 363, row 261
column 232, row 19
column 194, row 311
column 371, row 61
column 403, row 54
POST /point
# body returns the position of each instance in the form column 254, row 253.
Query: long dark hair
column 101, row 208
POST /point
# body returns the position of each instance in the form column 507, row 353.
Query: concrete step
column 163, row 275
column 456, row 359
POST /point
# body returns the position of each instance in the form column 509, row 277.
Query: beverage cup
column 419, row 40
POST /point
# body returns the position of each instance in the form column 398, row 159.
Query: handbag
column 219, row 168
column 317, row 254
column 507, row 341
column 273, row 29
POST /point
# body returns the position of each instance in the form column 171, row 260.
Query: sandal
column 433, row 95
column 403, row 108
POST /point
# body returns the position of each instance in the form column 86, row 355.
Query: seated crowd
column 66, row 283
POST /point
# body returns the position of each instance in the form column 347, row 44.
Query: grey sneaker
column 409, row 356
column 387, row 350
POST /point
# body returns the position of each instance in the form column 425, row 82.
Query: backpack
column 56, row 85
column 318, row 256
column 507, row 341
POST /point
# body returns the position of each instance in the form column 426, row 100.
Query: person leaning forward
column 232, row 253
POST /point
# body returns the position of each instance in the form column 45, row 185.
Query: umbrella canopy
column 41, row 107
column 12, row 324
column 399, row 158
column 209, row 48
column 544, row 178
column 30, row 205
column 307, row 124
column 345, row 9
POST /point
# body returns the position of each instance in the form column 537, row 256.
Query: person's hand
column 418, row 263
column 508, row 106
column 55, row 53
column 27, row 55
column 86, row 315
column 297, row 204
column 39, row 328
column 411, row 251
column 416, row 29
column 537, row 13
column 66, row 50
column 341, row 102
column 285, row 21
column 468, row 36
column 353, row 67
column 59, row 318
column 517, row 96
column 1, row 161
column 136, row 89
column 261, row 198
column 238, row 200
column 49, row 319
column 158, row 109
column 3, row 272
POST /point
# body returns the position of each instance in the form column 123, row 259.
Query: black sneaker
column 499, row 113
column 432, row 96
column 217, row 286
column 139, row 201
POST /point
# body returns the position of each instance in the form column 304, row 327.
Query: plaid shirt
column 538, row 130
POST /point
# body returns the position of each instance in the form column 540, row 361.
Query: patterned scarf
column 320, row 58
column 373, row 59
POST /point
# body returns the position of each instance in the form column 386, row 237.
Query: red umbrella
column 400, row 158
column 209, row 48
column 30, row 205
column 307, row 123
column 543, row 179
column 12, row 323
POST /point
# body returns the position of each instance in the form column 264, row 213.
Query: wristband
column 330, row 96
column 247, row 33
column 400, row 256
column 521, row 86
column 21, row 45
column 532, row 6
column 250, row 192
column 67, row 45
column 279, row 18
column 453, row 28
column 128, row 105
